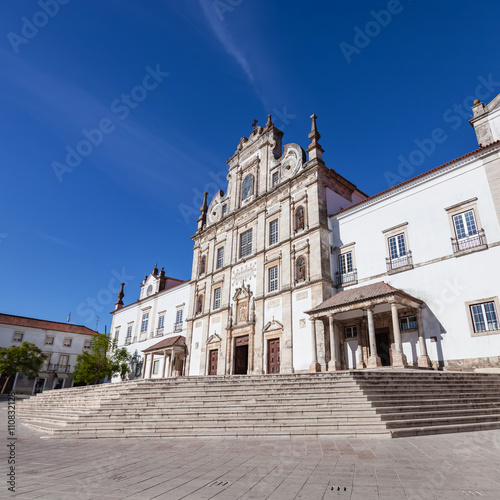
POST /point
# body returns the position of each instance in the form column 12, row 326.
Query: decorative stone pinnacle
column 202, row 219
column 315, row 150
column 119, row 302
column 269, row 123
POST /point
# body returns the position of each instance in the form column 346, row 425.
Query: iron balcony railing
column 128, row 339
column 399, row 262
column 346, row 278
column 177, row 327
column 59, row 368
column 476, row 240
column 159, row 332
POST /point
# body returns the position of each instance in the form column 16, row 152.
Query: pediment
column 242, row 293
column 273, row 325
column 213, row 339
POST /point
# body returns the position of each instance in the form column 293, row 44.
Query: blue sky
column 156, row 95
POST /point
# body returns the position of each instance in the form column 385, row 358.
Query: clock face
column 149, row 291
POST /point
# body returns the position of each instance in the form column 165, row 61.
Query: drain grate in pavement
column 338, row 488
column 219, row 483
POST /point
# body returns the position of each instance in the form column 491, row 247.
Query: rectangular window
column 178, row 317
column 246, row 243
column 276, row 178
column 224, row 210
column 217, row 295
column 67, row 342
column 220, row 257
column 117, row 334
column 350, row 332
column 156, row 366
column 397, row 247
column 345, row 263
column 129, row 335
column 484, row 317
column 18, row 337
column 465, row 224
column 161, row 322
column 63, row 363
column 273, row 278
column 87, row 344
column 49, row 340
column 273, row 232
column 408, row 323
column 145, row 320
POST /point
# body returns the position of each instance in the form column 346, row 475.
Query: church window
column 299, row 219
column 273, row 279
column 217, row 296
column 301, row 269
column 220, row 257
column 199, row 304
column 275, row 179
column 408, row 323
column 273, row 232
column 224, row 209
column 484, row 317
column 350, row 332
column 203, row 264
column 246, row 243
column 145, row 320
column 247, row 187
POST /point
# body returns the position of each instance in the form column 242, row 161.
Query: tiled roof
column 358, row 294
column 179, row 340
column 416, row 177
column 8, row 319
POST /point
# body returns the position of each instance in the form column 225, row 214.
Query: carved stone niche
column 242, row 301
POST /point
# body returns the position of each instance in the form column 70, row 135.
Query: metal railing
column 477, row 240
column 59, row 368
column 159, row 332
column 128, row 339
column 177, row 327
column 399, row 262
column 346, row 278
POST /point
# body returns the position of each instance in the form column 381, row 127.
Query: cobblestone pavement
column 451, row 466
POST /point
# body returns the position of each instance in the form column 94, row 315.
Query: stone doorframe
column 213, row 343
column 272, row 331
column 234, row 333
column 330, row 316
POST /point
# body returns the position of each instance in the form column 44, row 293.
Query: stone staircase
column 386, row 403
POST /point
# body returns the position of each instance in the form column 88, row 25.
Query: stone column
column 361, row 358
column 164, row 363
column 151, row 365
column 398, row 357
column 373, row 360
column 144, row 365
column 423, row 359
column 334, row 363
column 314, row 366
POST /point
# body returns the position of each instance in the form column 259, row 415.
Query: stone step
column 423, row 422
column 444, row 429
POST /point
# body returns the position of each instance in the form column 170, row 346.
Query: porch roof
column 362, row 296
column 177, row 341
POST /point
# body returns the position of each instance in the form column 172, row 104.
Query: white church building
column 295, row 269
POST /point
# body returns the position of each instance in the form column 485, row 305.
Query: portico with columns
column 170, row 355
column 363, row 329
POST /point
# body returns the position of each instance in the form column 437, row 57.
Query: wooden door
column 214, row 356
column 273, row 356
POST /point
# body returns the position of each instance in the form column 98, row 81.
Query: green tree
column 26, row 358
column 105, row 360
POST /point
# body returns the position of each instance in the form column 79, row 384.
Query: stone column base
column 399, row 359
column 424, row 361
column 374, row 362
column 314, row 367
column 360, row 365
column 333, row 365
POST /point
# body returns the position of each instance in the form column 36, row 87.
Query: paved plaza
column 451, row 466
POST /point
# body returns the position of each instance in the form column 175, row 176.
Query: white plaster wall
column 196, row 345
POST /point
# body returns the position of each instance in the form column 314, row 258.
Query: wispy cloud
column 58, row 241
column 225, row 38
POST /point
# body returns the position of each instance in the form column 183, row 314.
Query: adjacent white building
column 61, row 342
column 155, row 324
